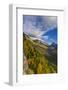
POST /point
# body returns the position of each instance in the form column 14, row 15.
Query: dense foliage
column 36, row 59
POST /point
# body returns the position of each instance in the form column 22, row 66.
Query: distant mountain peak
column 53, row 45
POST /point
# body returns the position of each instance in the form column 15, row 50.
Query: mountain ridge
column 36, row 57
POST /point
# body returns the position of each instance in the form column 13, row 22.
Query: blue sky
column 43, row 28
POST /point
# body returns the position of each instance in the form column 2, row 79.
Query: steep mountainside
column 39, row 58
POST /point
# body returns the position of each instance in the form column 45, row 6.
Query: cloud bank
column 38, row 26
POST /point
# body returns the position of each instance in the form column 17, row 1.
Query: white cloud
column 48, row 22
column 46, row 37
column 30, row 29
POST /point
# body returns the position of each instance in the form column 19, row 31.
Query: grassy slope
column 35, row 54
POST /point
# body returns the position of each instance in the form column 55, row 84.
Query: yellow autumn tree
column 39, row 68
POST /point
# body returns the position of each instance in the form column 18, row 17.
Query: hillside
column 39, row 57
